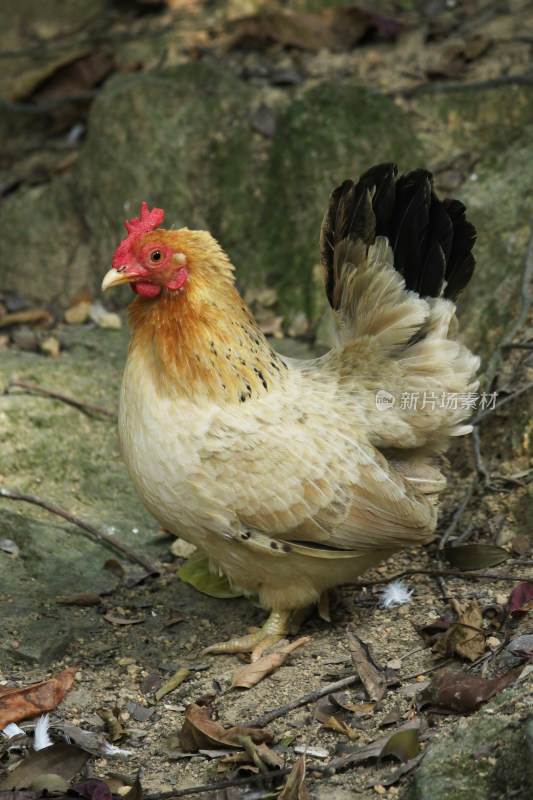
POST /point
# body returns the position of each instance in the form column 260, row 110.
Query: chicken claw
column 275, row 628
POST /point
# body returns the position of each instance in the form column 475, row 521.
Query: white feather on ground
column 12, row 730
column 41, row 735
column 395, row 594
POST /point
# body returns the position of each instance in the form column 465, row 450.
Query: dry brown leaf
column 232, row 761
column 339, row 726
column 465, row 637
column 80, row 599
column 475, row 556
column 249, row 675
column 93, row 789
column 200, row 732
column 392, row 716
column 373, row 679
column 295, row 788
column 31, row 316
column 174, row 619
column 261, row 755
column 60, row 759
column 136, row 791
column 432, row 631
column 462, row 692
column 402, row 743
column 521, row 599
column 28, row 701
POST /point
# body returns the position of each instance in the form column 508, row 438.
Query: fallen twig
column 478, row 458
column 434, row 573
column 112, row 542
column 510, row 397
column 458, row 512
column 46, row 106
column 312, row 697
column 29, row 316
column 240, row 781
column 517, row 346
column 72, row 401
column 447, row 86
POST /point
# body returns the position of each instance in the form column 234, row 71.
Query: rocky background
column 240, row 118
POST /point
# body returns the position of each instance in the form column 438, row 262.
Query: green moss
column 333, row 132
column 480, row 121
column 500, row 203
column 486, row 757
column 186, row 148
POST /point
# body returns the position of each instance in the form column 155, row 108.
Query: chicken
column 295, row 476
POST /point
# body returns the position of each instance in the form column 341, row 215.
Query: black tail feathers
column 431, row 239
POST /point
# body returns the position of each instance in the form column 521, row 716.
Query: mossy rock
column 500, row 203
column 72, row 460
column 180, row 139
column 474, row 119
column 330, row 133
column 43, row 248
column 486, row 756
column 177, row 139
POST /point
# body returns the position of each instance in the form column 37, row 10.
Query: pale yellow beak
column 115, row 278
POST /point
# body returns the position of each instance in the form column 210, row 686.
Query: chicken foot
column 274, row 629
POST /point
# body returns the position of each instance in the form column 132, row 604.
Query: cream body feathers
column 305, row 483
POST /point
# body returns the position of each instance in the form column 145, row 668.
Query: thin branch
column 517, row 346
column 312, row 697
column 440, row 580
column 240, row 781
column 459, row 512
column 46, row 106
column 488, row 411
column 434, row 573
column 480, row 464
column 429, row 87
column 71, row 401
column 111, row 541
column 464, row 536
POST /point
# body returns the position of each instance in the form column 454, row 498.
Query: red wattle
column 145, row 288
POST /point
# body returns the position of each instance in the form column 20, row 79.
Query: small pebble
column 111, row 321
column 103, row 318
column 78, row 314
column 50, row 347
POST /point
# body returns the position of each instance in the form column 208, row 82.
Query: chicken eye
column 156, row 256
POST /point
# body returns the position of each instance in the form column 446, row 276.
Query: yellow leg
column 274, row 629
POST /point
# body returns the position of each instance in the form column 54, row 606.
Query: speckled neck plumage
column 204, row 348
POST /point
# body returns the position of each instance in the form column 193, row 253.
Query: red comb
column 137, row 227
column 148, row 221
